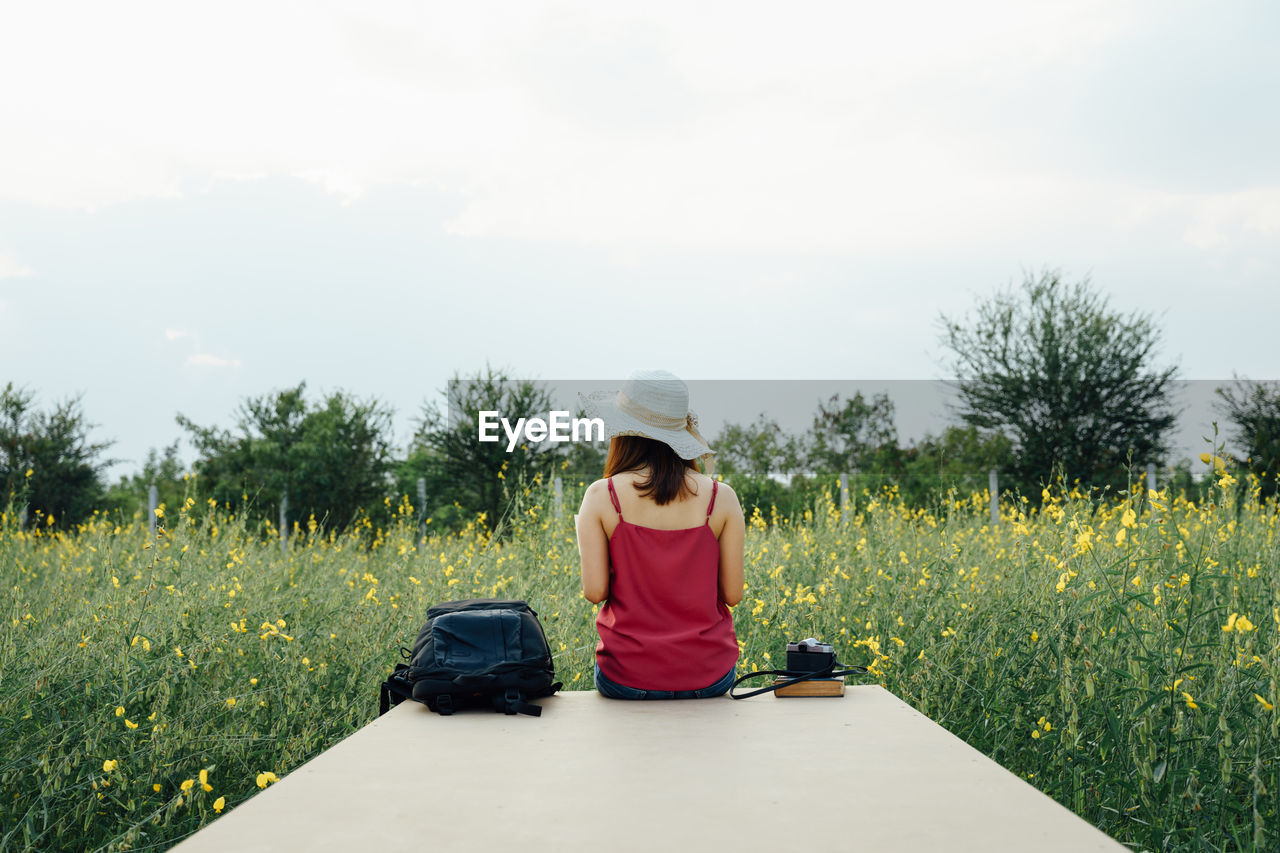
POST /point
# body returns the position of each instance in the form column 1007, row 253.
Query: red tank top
column 664, row 625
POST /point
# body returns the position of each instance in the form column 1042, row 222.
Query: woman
column 661, row 548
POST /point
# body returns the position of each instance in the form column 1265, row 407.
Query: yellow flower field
column 1120, row 657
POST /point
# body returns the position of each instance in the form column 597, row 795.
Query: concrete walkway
column 862, row 772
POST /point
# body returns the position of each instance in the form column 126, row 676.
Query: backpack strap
column 711, row 505
column 613, row 496
column 512, row 702
column 394, row 690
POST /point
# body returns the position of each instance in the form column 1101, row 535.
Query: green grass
column 1098, row 670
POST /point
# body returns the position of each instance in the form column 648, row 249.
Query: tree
column 47, row 463
column 479, row 476
column 1254, row 411
column 854, row 434
column 959, row 458
column 1070, row 381
column 331, row 459
column 162, row 469
column 760, row 450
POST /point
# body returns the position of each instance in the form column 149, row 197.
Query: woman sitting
column 661, row 546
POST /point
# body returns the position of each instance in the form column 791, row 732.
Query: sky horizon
column 201, row 205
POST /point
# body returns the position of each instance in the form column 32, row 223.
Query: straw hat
column 653, row 404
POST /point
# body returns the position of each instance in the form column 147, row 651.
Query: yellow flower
column 231, row 703
column 265, row 779
column 160, row 511
column 1034, row 636
column 1218, row 462
column 130, row 724
column 30, row 472
column 219, row 804
column 1190, row 702
column 204, row 780
column 253, row 682
column 1236, row 622
column 1129, row 518
column 187, row 785
column 1035, row 734
column 109, row 765
column 119, row 710
column 1265, row 704
column 156, row 787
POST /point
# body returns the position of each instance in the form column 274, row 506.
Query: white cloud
column 203, row 359
column 1221, row 219
column 1206, row 221
column 836, row 125
column 174, row 334
column 11, row 267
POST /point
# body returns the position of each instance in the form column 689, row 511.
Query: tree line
column 1052, row 386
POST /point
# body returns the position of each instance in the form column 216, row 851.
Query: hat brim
column 600, row 404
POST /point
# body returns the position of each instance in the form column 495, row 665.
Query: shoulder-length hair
column 666, row 481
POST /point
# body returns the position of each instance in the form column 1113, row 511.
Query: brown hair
column 666, row 470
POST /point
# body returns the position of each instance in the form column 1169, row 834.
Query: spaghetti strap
column 613, row 496
column 713, row 500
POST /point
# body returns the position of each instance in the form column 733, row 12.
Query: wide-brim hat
column 653, row 404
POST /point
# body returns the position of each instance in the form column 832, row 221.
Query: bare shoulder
column 726, row 494
column 596, row 495
column 726, row 497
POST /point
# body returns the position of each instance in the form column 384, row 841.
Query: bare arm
column 732, row 543
column 593, row 544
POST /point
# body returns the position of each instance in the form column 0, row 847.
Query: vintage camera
column 810, row 656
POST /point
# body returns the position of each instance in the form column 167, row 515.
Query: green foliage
column 1254, row 410
column 958, row 460
column 782, row 475
column 758, row 451
column 773, row 499
column 162, row 469
column 466, row 476
column 1068, row 380
column 854, row 434
column 331, row 459
column 47, row 463
column 1129, row 677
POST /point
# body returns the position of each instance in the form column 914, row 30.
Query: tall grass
column 1120, row 657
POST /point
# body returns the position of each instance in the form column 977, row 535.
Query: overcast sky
column 204, row 202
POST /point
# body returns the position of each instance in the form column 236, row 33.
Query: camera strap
column 792, row 677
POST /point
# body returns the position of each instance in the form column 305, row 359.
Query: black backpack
column 479, row 652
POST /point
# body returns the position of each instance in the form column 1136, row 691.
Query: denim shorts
column 613, row 690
